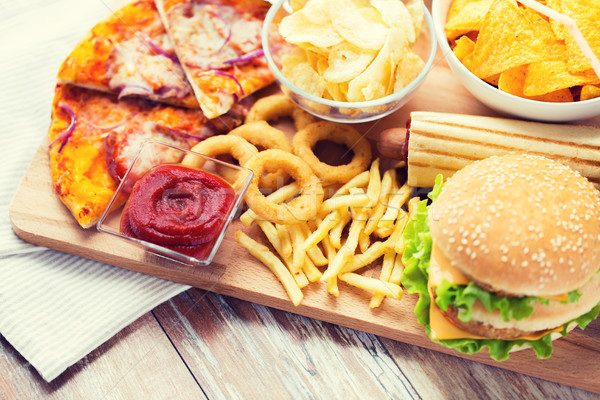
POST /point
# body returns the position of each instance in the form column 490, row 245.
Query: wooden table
column 205, row 345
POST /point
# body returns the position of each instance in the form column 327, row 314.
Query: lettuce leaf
column 464, row 296
column 416, row 257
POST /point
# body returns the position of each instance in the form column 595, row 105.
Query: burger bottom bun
column 544, row 317
column 553, row 337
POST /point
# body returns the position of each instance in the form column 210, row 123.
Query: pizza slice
column 94, row 136
column 130, row 54
column 219, row 46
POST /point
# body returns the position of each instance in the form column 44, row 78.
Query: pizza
column 124, row 83
column 130, row 54
column 94, row 136
column 218, row 44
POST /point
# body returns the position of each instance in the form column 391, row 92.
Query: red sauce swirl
column 178, row 207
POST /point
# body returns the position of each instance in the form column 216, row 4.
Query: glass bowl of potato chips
column 349, row 61
column 519, row 61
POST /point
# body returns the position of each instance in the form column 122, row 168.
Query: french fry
column 330, row 251
column 264, row 255
column 412, row 206
column 312, row 272
column 347, row 200
column 375, row 285
column 395, row 202
column 359, row 180
column 386, row 271
column 322, row 229
column 397, row 270
column 376, row 250
column 364, row 241
column 314, row 252
column 398, row 228
column 347, row 250
column 380, row 207
column 374, row 187
column 286, row 242
column 278, row 196
column 335, row 234
column 298, row 252
column 396, row 237
column 270, row 231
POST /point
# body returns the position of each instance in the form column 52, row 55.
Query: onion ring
column 264, row 136
column 237, row 147
column 302, row 208
column 305, row 140
column 276, row 106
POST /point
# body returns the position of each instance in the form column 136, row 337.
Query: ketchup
column 179, row 208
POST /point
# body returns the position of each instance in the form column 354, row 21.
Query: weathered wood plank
column 257, row 349
column 138, row 363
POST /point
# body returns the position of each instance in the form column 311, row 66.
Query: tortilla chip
column 549, row 76
column 507, row 39
column 464, row 46
column 513, row 81
column 586, row 15
column 465, row 16
column 589, row 92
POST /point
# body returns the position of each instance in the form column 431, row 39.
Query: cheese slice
column 440, row 268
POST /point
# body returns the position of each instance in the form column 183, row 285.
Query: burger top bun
column 519, row 224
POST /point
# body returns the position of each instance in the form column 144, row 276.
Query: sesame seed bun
column 520, row 225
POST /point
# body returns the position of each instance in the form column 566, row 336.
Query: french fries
column 273, row 263
column 358, row 228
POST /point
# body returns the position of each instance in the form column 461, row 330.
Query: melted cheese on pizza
column 80, row 171
column 120, row 55
column 208, row 39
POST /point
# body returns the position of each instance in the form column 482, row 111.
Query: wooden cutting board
column 39, row 217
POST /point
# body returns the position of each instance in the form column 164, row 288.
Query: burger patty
column 481, row 329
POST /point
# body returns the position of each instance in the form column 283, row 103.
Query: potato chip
column 297, row 4
column 380, row 70
column 465, row 16
column 346, row 62
column 464, row 46
column 359, row 61
column 415, row 8
column 303, row 76
column 407, row 70
column 311, row 24
column 506, row 40
column 395, row 14
column 589, row 92
column 351, row 25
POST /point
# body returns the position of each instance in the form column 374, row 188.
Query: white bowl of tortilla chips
column 551, row 92
column 349, row 61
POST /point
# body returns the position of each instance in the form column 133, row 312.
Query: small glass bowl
column 153, row 153
column 501, row 101
column 339, row 111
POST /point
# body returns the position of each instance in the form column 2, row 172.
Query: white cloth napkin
column 54, row 308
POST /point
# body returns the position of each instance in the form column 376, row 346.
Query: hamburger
column 506, row 256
